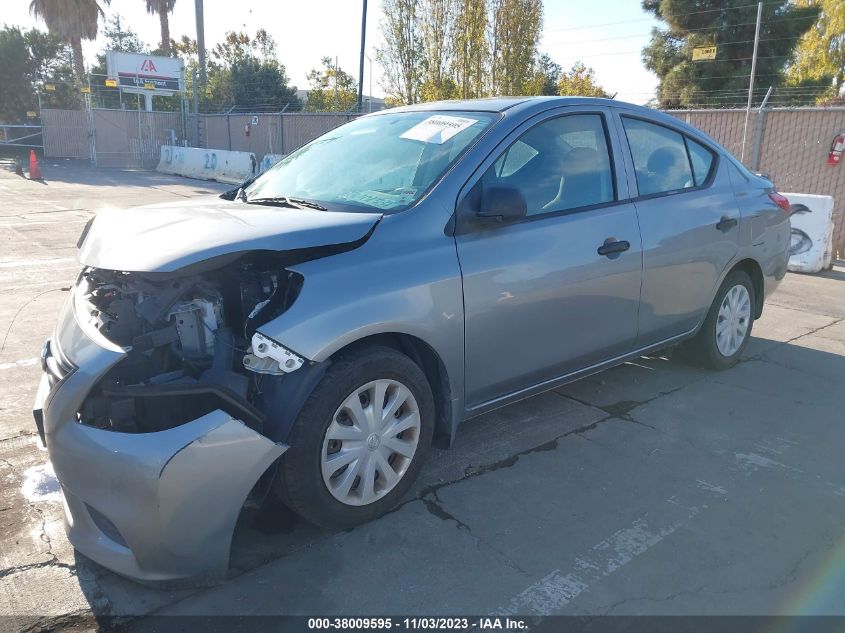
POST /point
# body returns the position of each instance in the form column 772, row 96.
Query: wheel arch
column 427, row 359
column 753, row 269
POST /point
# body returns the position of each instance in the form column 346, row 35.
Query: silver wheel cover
column 370, row 442
column 733, row 320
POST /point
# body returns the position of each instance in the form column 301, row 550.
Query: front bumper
column 151, row 506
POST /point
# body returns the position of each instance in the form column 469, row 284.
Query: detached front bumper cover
column 150, row 506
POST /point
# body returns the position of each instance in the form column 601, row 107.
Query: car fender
column 379, row 288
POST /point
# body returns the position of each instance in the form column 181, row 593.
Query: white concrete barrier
column 268, row 161
column 811, row 243
column 207, row 164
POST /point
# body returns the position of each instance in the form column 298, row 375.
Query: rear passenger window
column 702, row 161
column 660, row 157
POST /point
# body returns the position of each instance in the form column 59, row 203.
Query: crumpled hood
column 166, row 237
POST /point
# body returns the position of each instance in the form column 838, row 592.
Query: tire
column 709, row 349
column 326, row 493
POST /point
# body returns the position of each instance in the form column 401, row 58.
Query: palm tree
column 71, row 21
column 162, row 7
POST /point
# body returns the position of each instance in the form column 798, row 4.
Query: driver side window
column 558, row 165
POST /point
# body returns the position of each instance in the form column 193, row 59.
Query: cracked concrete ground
column 652, row 488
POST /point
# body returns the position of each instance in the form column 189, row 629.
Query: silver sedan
column 312, row 332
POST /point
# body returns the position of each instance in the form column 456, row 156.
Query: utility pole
column 751, row 80
column 370, row 100
column 200, row 39
column 361, row 58
column 197, row 110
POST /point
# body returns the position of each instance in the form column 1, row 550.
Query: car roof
column 528, row 106
column 501, row 104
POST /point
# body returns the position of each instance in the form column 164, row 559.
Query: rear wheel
column 727, row 327
column 360, row 440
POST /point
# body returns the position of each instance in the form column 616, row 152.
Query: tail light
column 780, row 200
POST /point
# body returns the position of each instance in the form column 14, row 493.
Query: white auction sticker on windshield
column 438, row 128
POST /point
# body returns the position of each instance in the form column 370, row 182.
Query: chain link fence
column 129, row 138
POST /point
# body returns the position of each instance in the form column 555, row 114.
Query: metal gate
column 66, row 133
column 126, row 138
column 21, row 136
column 110, row 138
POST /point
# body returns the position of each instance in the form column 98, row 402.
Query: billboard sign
column 136, row 73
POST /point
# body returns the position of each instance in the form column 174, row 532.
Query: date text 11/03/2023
column 492, row 623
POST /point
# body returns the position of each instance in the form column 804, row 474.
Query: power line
column 676, row 15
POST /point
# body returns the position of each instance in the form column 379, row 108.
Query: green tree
column 730, row 26
column 820, row 54
column 245, row 72
column 436, row 25
column 332, row 89
column 50, row 58
column 471, row 50
column 515, row 29
column 162, row 8
column 17, row 96
column 33, row 60
column 546, row 75
column 580, row 81
column 402, row 52
column 262, row 86
column 71, row 21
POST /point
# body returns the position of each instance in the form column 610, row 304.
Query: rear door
column 689, row 222
column 540, row 299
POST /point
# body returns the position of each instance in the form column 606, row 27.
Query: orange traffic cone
column 34, row 169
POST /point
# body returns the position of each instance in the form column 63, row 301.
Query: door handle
column 726, row 224
column 612, row 246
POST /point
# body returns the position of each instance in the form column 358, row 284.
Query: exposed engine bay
column 191, row 340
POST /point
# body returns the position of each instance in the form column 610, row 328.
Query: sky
column 605, row 34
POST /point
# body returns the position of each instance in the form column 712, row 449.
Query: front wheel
column 727, row 327
column 360, row 440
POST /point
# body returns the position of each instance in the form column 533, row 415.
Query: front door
column 559, row 290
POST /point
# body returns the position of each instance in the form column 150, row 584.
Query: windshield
column 384, row 162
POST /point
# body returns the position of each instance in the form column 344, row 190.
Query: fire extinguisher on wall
column 836, row 149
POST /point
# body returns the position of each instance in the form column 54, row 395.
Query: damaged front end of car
column 164, row 407
column 189, row 343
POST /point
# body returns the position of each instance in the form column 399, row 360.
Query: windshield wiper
column 287, row 201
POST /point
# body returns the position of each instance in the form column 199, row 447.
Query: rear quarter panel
column 764, row 228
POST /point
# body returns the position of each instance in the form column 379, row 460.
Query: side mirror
column 503, row 204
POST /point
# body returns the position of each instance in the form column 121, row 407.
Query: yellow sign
column 50, row 87
column 149, row 85
column 31, row 114
column 703, row 52
column 111, row 83
column 86, row 90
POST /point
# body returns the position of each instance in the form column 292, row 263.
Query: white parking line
column 34, row 223
column 556, row 590
column 26, row 362
column 20, row 263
